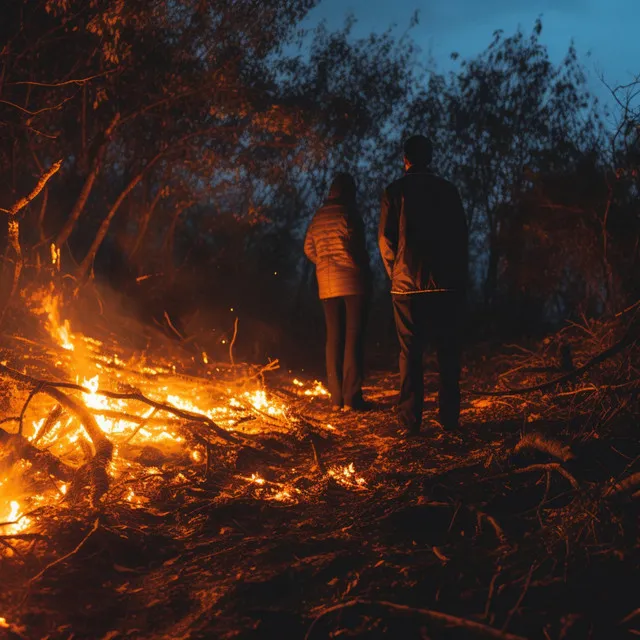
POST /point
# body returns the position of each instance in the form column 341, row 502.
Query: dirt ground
column 517, row 525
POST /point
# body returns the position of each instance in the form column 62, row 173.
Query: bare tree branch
column 44, row 178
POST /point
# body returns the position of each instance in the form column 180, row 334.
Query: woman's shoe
column 363, row 405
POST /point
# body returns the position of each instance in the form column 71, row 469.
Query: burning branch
column 161, row 406
column 39, row 459
column 95, row 470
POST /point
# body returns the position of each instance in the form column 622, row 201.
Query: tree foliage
column 197, row 138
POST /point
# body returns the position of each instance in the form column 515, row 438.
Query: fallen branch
column 447, row 619
column 520, row 598
column 546, row 445
column 630, row 482
column 627, row 340
column 97, row 466
column 499, row 531
column 51, row 420
column 550, row 466
column 47, row 385
column 43, row 460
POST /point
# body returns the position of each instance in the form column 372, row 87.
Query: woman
column 335, row 243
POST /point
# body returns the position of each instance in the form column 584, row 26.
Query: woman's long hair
column 343, row 189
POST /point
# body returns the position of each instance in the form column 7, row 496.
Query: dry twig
column 79, row 546
column 445, row 618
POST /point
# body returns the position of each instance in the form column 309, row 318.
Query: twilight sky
column 609, row 29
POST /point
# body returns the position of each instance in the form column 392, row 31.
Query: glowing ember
column 347, row 476
column 3, row 623
column 318, row 389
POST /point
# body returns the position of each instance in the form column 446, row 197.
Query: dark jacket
column 423, row 235
column 335, row 242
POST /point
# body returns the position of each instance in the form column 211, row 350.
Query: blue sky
column 609, row 29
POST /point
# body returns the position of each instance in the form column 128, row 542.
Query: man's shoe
column 408, row 430
column 449, row 424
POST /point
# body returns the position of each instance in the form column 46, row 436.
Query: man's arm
column 357, row 240
column 388, row 233
column 309, row 244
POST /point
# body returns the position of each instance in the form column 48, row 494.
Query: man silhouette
column 423, row 242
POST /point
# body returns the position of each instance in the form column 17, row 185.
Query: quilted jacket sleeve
column 309, row 244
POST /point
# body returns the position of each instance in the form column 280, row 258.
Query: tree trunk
column 13, row 237
column 611, row 301
column 87, row 262
column 13, row 247
column 41, row 215
column 85, row 192
column 168, row 242
column 491, row 282
column 104, row 227
column 144, row 223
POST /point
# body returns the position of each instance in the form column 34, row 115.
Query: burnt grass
column 451, row 522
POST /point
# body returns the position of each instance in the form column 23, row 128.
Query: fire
column 46, row 302
column 17, row 523
column 55, row 256
column 258, row 399
column 130, row 422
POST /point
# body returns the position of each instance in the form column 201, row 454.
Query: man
column 423, row 242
